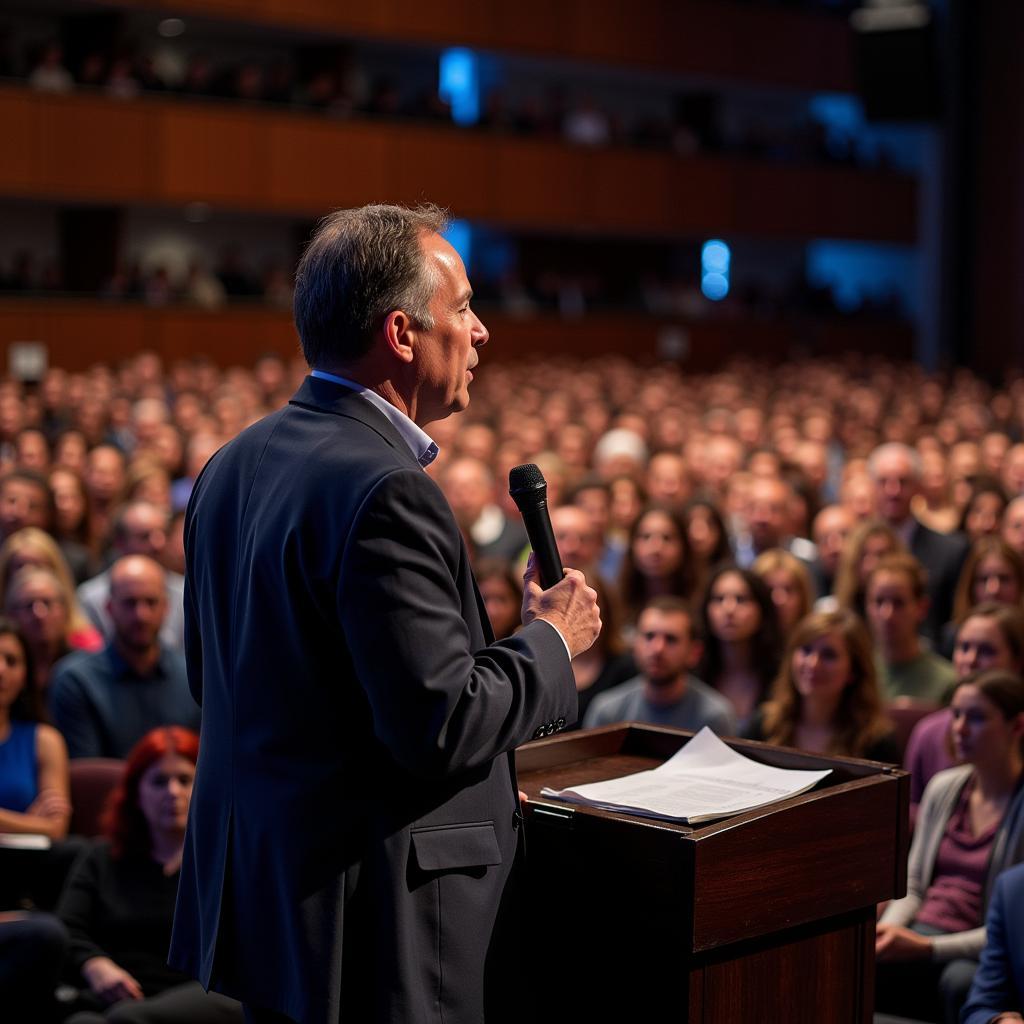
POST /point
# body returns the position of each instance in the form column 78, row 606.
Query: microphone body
column 529, row 490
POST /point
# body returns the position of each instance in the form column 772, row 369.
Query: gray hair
column 359, row 266
column 895, row 448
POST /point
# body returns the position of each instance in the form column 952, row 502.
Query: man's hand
column 110, row 982
column 570, row 606
column 893, row 943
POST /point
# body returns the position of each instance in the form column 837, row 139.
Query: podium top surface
column 835, row 848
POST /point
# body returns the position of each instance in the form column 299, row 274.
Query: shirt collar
column 423, row 449
column 122, row 670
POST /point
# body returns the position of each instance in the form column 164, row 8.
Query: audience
column 119, row 901
column 742, row 644
column 970, row 827
column 897, row 606
column 997, row 992
column 826, row 698
column 104, row 702
column 664, row 692
column 742, row 458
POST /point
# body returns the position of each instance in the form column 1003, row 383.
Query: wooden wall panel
column 162, row 152
column 695, row 37
column 80, row 333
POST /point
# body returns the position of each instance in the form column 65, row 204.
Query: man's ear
column 400, row 335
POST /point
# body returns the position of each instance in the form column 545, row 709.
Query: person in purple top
column 969, row 828
column 992, row 636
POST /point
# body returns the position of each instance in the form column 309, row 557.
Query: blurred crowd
column 346, row 83
column 824, row 554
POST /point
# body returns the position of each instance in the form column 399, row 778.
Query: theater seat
column 92, row 779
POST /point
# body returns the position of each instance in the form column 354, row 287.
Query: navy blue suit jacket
column 998, row 985
column 354, row 816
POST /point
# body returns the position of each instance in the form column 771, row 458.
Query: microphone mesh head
column 525, row 478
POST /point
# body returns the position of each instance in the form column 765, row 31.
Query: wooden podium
column 759, row 917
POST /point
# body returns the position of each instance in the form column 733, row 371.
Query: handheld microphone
column 529, row 490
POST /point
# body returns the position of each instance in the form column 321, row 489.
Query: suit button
column 538, row 732
column 561, row 724
column 549, row 728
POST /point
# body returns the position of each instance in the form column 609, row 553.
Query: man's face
column 768, row 513
column 138, row 606
column 576, row 538
column 143, row 532
column 896, row 486
column 446, row 354
column 662, row 645
column 23, row 503
column 831, row 528
column 104, row 474
column 468, row 490
column 667, row 483
column 893, row 611
column 1013, row 525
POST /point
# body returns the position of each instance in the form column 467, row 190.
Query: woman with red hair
column 118, row 904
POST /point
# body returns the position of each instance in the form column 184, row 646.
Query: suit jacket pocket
column 455, row 847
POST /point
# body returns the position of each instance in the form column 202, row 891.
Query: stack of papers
column 705, row 780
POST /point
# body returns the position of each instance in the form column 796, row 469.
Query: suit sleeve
column 438, row 705
column 992, row 991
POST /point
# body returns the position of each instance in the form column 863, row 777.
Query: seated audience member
column 577, row 539
column 983, row 514
column 897, row 606
column 140, row 528
column 991, row 637
column 742, row 646
column 608, row 661
column 769, row 522
column 657, row 561
column 868, row 542
column 38, row 603
column 789, row 583
column 118, row 904
column 32, row 950
column 829, row 531
column 826, row 698
column 71, row 517
column 104, row 476
column 997, row 992
column 664, row 692
column 104, row 702
column 933, row 505
column 34, row 793
column 707, row 534
column 470, row 489
column 970, row 828
column 667, row 480
column 33, row 547
column 502, row 591
column 992, row 571
column 592, row 495
column 896, row 471
column 1013, row 525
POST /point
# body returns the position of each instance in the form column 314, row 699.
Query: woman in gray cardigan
column 969, row 828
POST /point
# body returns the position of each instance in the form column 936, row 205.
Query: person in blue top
column 34, row 786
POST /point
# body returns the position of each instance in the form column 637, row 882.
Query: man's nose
column 480, row 332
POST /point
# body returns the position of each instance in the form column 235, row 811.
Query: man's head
column 667, row 480
column 137, row 602
column 140, row 528
column 576, row 536
column 896, row 601
column 1013, row 525
column 25, row 500
column 896, row 471
column 664, row 647
column 105, row 470
column 383, row 274
column 469, row 487
column 832, row 525
column 768, row 512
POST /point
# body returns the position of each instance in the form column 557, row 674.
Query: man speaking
column 355, row 814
